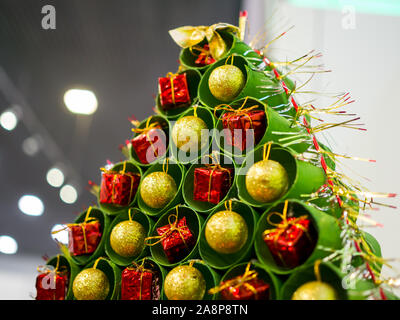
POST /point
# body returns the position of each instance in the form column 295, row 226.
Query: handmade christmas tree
column 226, row 193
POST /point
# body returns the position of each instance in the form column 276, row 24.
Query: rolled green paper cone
column 163, row 121
column 192, row 156
column 177, row 172
column 141, row 218
column 225, row 261
column 193, row 220
column 73, row 270
column 263, row 273
column 259, row 85
column 188, row 185
column 276, row 127
column 111, row 209
column 104, row 222
column 193, row 78
column 304, row 178
column 326, row 226
column 113, row 273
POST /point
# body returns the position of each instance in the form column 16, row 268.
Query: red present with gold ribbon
column 212, row 183
column 176, row 238
column 174, row 91
column 137, row 283
column 83, row 238
column 292, row 241
column 244, row 287
column 239, row 121
column 118, row 188
column 151, row 143
column 51, row 283
column 204, row 57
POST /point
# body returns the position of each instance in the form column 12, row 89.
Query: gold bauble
column 315, row 290
column 186, row 133
column 226, row 232
column 184, row 283
column 226, row 82
column 91, row 284
column 266, row 181
column 158, row 189
column 127, row 238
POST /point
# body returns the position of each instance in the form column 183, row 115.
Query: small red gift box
column 137, row 284
column 292, row 243
column 118, row 188
column 205, row 57
column 254, row 289
column 84, row 237
column 150, row 144
column 239, row 122
column 211, row 184
column 177, row 240
column 51, row 286
column 174, row 91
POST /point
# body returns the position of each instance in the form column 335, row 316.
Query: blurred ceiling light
column 30, row 146
column 31, row 205
column 55, row 177
column 80, row 101
column 68, row 194
column 8, row 120
column 61, row 235
column 8, row 245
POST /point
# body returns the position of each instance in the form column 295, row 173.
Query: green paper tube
column 113, row 273
column 210, row 276
column 72, row 268
column 188, row 185
column 138, row 216
column 177, row 172
column 104, row 222
column 190, row 157
column 259, row 85
column 304, row 178
column 165, row 127
column 263, row 273
column 276, row 127
column 326, row 226
column 193, row 78
column 111, row 209
column 225, row 261
column 194, row 222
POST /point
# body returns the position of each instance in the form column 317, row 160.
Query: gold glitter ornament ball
column 186, row 133
column 226, row 82
column 158, row 189
column 315, row 290
column 184, row 283
column 91, row 284
column 127, row 238
column 266, row 181
column 226, row 232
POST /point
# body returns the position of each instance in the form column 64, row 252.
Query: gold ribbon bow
column 150, row 126
column 283, row 225
column 237, row 282
column 189, row 36
column 215, row 165
column 172, row 227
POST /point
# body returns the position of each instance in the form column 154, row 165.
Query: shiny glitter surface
column 226, row 82
column 91, row 284
column 127, row 238
column 315, row 290
column 186, row 133
column 266, row 181
column 184, row 283
column 226, row 232
column 158, row 189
